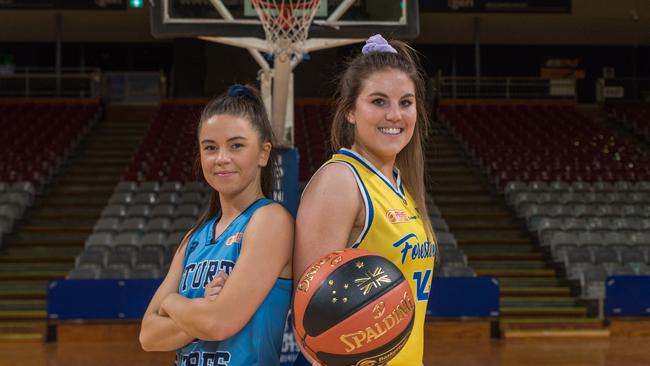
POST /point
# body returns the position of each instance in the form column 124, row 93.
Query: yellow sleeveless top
column 394, row 229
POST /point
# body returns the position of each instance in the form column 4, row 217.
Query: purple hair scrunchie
column 377, row 43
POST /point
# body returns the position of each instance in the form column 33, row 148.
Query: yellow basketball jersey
column 394, row 229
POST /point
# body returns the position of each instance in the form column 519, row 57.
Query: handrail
column 28, row 84
column 504, row 87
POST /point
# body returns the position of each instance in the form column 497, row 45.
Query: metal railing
column 504, row 87
column 113, row 87
column 134, row 87
column 608, row 89
column 30, row 82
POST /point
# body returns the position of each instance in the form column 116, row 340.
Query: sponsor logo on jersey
column 397, row 216
column 235, row 239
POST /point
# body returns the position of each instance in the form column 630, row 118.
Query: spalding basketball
column 353, row 307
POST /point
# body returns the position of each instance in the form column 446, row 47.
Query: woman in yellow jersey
column 371, row 193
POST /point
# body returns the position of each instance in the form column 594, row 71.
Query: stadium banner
column 123, row 299
column 285, row 189
column 453, row 297
column 627, row 296
column 63, row 4
column 99, row 299
column 496, row 6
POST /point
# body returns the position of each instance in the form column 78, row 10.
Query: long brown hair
column 410, row 161
column 250, row 107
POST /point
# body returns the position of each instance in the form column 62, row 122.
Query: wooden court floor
column 490, row 352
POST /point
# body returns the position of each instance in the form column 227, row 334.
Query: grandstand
column 538, row 171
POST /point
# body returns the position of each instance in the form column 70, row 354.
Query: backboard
column 237, row 18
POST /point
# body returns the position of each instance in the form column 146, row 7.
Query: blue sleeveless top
column 260, row 340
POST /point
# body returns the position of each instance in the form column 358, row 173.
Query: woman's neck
column 384, row 165
column 233, row 206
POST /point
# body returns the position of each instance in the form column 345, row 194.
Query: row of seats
column 576, row 187
column 140, row 229
column 37, row 137
column 592, row 230
column 143, row 223
column 592, row 277
column 312, row 131
column 15, row 198
column 168, row 149
column 544, row 143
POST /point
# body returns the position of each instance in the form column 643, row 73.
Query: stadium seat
column 104, row 240
column 114, row 211
column 159, row 224
column 115, row 273
column 458, row 272
column 446, row 239
column 145, row 273
column 126, row 187
column 84, row 274
column 134, row 224
column 107, row 224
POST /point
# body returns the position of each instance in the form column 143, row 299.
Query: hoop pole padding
column 281, row 78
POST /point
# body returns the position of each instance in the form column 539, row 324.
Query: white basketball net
column 286, row 24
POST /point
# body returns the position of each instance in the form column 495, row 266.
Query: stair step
column 508, row 265
column 80, row 202
column 451, row 180
column 46, row 212
column 22, row 327
column 454, row 160
column 469, row 211
column 13, row 315
column 467, row 240
column 499, row 249
column 556, row 333
column 37, row 239
column 29, row 260
column 106, row 156
column 550, row 323
column 18, row 293
column 77, row 170
column 57, row 229
column 457, row 170
column 22, row 304
column 493, row 223
column 520, row 292
column 36, row 267
column 83, row 162
column 77, row 189
column 516, row 273
column 502, row 235
column 532, row 282
column 63, row 222
column 33, row 275
column 41, row 251
column 560, row 311
column 506, row 257
column 530, row 301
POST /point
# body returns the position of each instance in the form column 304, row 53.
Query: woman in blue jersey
column 371, row 193
column 243, row 235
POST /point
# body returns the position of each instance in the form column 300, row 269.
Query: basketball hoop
column 286, row 24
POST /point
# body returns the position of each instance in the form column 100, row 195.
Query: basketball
column 353, row 307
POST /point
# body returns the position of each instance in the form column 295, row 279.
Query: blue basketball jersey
column 259, row 342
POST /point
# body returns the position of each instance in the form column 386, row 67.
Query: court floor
column 556, row 352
